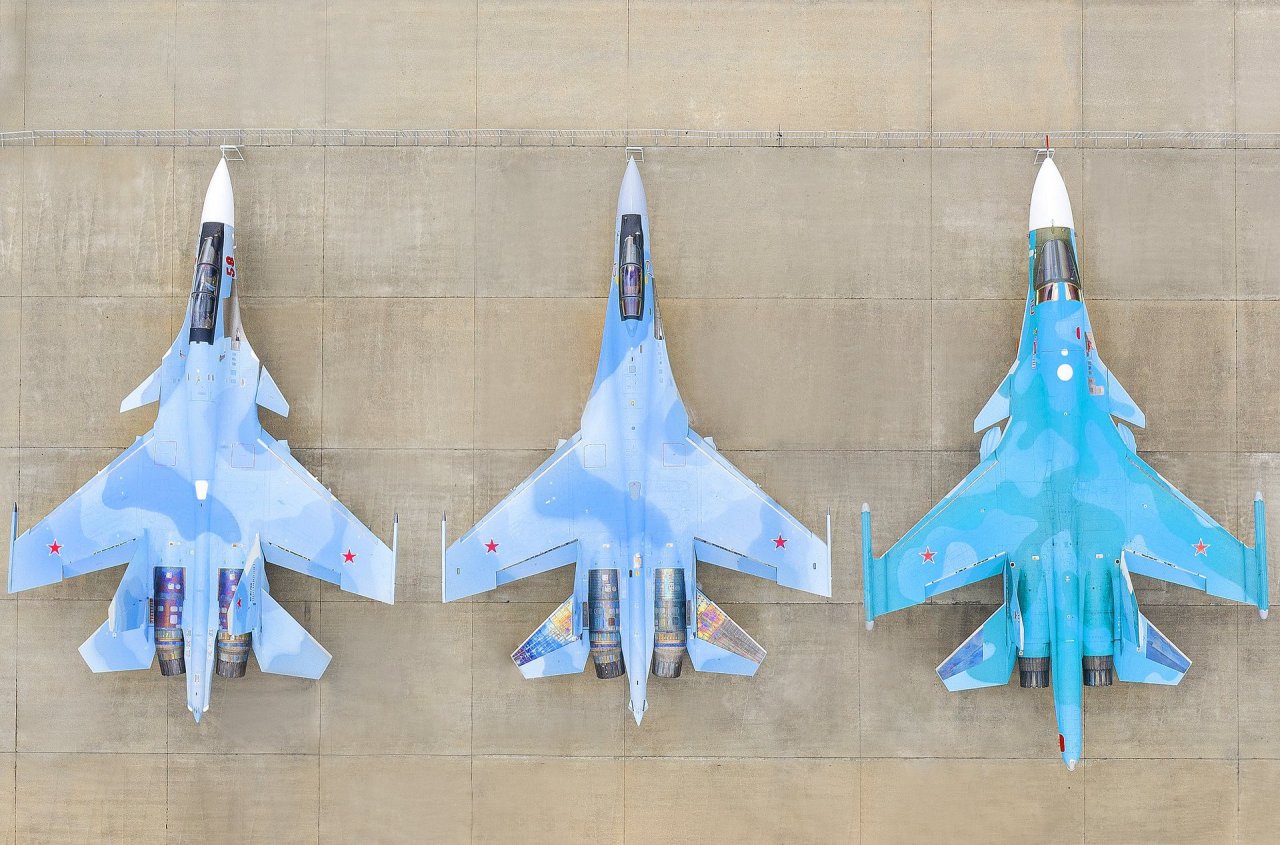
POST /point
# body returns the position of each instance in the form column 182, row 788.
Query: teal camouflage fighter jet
column 636, row 499
column 197, row 504
column 1063, row 508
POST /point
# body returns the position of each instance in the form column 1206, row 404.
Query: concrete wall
column 836, row 318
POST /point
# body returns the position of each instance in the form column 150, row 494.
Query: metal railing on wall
column 1087, row 139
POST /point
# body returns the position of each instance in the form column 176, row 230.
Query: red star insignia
column 491, row 546
column 928, row 555
column 54, row 548
column 779, row 542
column 239, row 602
column 349, row 556
column 1202, row 548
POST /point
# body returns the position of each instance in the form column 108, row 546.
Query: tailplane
column 719, row 644
column 557, row 647
column 281, row 645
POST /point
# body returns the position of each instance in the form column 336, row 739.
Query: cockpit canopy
column 631, row 267
column 204, row 284
column 1054, row 272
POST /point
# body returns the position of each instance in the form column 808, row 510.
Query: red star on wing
column 928, row 555
column 779, row 542
column 491, row 546
column 239, row 602
column 54, row 548
column 349, row 556
column 1202, row 548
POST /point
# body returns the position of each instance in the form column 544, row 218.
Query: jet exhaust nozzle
column 231, row 652
column 1033, row 672
column 606, row 635
column 670, row 619
column 1098, row 671
column 169, row 584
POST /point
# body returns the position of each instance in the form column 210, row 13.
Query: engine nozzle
column 669, row 622
column 1098, row 671
column 606, row 634
column 1033, row 672
column 166, row 615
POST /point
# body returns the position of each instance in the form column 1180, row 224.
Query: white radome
column 219, row 201
column 1050, row 205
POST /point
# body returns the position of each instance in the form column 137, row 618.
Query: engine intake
column 231, row 651
column 1033, row 672
column 166, row 615
column 606, row 635
column 669, row 623
column 1098, row 671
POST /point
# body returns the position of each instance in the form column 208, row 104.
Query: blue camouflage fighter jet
column 196, row 505
column 1063, row 508
column 636, row 499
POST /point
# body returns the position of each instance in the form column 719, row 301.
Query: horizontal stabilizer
column 1152, row 660
column 126, row 640
column 119, row 652
column 720, row 645
column 284, row 647
column 558, row 647
column 986, row 658
column 269, row 395
column 145, row 393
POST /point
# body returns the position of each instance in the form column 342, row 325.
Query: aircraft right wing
column 306, row 529
column 530, row 531
column 103, row 523
column 1172, row 539
column 963, row 540
column 740, row 527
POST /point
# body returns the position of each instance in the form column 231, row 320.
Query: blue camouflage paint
column 204, row 495
column 633, row 492
column 1064, row 509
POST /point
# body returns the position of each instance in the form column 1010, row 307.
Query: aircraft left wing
column 306, row 529
column 528, row 532
column 1172, row 539
column 102, row 524
column 964, row 539
column 740, row 527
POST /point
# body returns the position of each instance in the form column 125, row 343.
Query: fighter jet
column 1063, row 508
column 197, row 504
column 636, row 499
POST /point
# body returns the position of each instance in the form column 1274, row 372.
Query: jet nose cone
column 1071, row 765
column 1050, row 205
column 631, row 199
column 219, row 201
column 197, row 713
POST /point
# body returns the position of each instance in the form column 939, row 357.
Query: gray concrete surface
column 835, row 316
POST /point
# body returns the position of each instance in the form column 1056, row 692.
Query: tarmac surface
column 836, row 316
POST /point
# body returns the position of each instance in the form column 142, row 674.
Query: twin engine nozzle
column 231, row 652
column 1098, row 671
column 670, row 617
